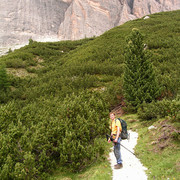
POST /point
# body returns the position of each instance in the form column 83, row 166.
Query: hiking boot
column 118, row 166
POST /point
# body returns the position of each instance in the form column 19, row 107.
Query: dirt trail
column 132, row 167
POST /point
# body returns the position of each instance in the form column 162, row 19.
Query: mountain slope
column 56, row 108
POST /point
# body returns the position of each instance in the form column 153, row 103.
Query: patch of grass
column 133, row 122
column 20, row 72
column 98, row 171
column 158, row 148
column 158, row 151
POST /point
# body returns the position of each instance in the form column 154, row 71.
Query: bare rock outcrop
column 87, row 18
column 21, row 20
column 48, row 20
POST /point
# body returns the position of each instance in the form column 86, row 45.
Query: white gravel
column 132, row 167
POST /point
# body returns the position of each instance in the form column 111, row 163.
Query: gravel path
column 132, row 167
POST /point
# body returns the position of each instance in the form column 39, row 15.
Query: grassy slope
column 100, row 60
column 158, row 149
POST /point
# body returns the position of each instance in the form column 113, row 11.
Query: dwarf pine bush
column 4, row 80
column 160, row 109
column 33, row 139
column 4, row 85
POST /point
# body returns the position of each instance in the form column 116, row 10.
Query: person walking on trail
column 115, row 134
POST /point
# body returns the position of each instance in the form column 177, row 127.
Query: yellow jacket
column 114, row 124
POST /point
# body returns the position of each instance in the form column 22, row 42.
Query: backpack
column 124, row 133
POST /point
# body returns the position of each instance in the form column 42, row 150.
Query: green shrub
column 4, row 85
column 10, row 50
column 113, row 92
column 33, row 139
column 31, row 70
column 30, row 41
column 4, row 80
column 25, row 56
column 160, row 109
column 15, row 63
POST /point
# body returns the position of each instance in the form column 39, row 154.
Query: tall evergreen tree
column 139, row 78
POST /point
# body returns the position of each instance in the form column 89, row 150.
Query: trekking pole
column 108, row 136
column 128, row 149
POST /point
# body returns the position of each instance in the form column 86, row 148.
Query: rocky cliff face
column 21, row 20
column 50, row 20
column 86, row 18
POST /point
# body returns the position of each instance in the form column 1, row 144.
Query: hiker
column 115, row 134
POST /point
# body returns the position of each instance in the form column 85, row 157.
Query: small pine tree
column 139, row 78
column 10, row 50
column 4, row 82
column 30, row 41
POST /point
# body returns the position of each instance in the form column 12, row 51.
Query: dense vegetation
column 55, row 104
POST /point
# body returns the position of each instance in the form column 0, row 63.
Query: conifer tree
column 140, row 84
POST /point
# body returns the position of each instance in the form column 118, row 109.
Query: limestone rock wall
column 86, row 18
column 48, row 20
column 21, row 20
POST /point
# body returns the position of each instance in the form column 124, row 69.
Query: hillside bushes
column 34, row 138
column 59, row 116
column 4, row 85
column 53, row 119
column 4, row 80
column 160, row 109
